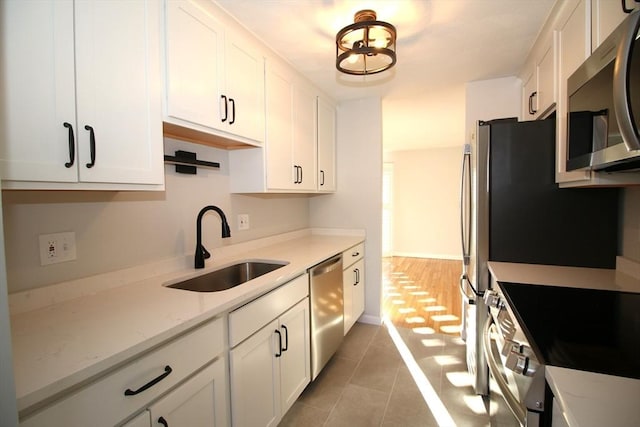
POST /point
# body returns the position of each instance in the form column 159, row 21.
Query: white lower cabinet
column 295, row 359
column 353, row 285
column 142, row 420
column 171, row 368
column 271, row 368
column 199, row 402
column 254, row 372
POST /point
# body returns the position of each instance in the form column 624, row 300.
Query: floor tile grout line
column 325, row 424
column 393, row 386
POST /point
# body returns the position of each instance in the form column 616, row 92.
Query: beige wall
column 116, row 230
column 426, row 213
column 8, row 413
column 358, row 202
column 629, row 242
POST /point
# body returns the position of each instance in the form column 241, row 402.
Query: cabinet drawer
column 104, row 403
column 246, row 320
column 353, row 254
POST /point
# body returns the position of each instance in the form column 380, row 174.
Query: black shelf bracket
column 186, row 162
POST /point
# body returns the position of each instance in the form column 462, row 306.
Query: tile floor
column 367, row 383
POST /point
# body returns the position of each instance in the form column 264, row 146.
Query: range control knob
column 511, row 345
column 492, row 299
column 521, row 364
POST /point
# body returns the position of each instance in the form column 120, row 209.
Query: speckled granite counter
column 587, row 399
column 72, row 334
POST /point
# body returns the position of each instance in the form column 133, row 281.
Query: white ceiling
column 442, row 44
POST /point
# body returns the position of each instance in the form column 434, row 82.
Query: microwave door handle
column 620, row 87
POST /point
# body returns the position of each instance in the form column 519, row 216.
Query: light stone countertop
column 80, row 336
column 588, row 399
column 619, row 279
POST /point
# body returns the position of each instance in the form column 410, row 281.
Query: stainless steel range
column 512, row 362
column 533, row 326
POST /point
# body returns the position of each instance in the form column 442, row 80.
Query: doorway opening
column 418, row 292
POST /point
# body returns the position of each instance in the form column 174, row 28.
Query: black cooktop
column 585, row 329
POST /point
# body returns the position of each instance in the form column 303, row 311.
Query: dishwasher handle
column 327, row 266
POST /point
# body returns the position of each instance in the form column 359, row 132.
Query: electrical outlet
column 57, row 247
column 243, row 222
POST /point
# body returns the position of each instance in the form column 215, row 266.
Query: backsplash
column 629, row 243
column 117, row 230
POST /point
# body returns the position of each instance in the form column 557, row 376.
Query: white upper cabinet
column 214, row 76
column 326, row 145
column 299, row 142
column 291, row 130
column 304, row 136
column 80, row 95
column 244, row 78
column 606, row 15
column 539, row 89
column 576, row 28
column 281, row 173
column 192, row 92
column 574, row 48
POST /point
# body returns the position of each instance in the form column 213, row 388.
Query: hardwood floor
column 422, row 293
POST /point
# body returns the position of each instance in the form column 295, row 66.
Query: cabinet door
column 118, row 91
column 353, row 293
column 574, row 47
column 304, row 135
column 194, row 45
column 37, row 93
column 295, row 362
column 326, row 146
column 281, row 173
column 255, row 373
column 142, row 420
column 199, row 402
column 348, row 279
column 358, row 291
column 529, row 97
column 606, row 15
column 244, row 86
column 546, row 74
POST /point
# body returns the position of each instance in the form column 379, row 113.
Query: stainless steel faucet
column 201, row 252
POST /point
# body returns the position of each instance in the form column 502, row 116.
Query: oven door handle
column 517, row 408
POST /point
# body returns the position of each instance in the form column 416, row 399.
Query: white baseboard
column 428, row 255
column 371, row 320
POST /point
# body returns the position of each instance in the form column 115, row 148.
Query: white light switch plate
column 57, row 247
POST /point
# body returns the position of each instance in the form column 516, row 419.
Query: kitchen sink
column 228, row 277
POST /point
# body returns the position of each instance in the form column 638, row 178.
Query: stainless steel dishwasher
column 327, row 311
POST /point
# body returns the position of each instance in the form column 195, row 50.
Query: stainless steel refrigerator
column 513, row 211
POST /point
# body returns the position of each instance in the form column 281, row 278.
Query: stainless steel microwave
column 604, row 104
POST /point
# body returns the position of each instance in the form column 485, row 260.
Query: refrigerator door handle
column 464, row 285
column 465, row 215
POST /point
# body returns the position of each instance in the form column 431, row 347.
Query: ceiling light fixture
column 367, row 46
